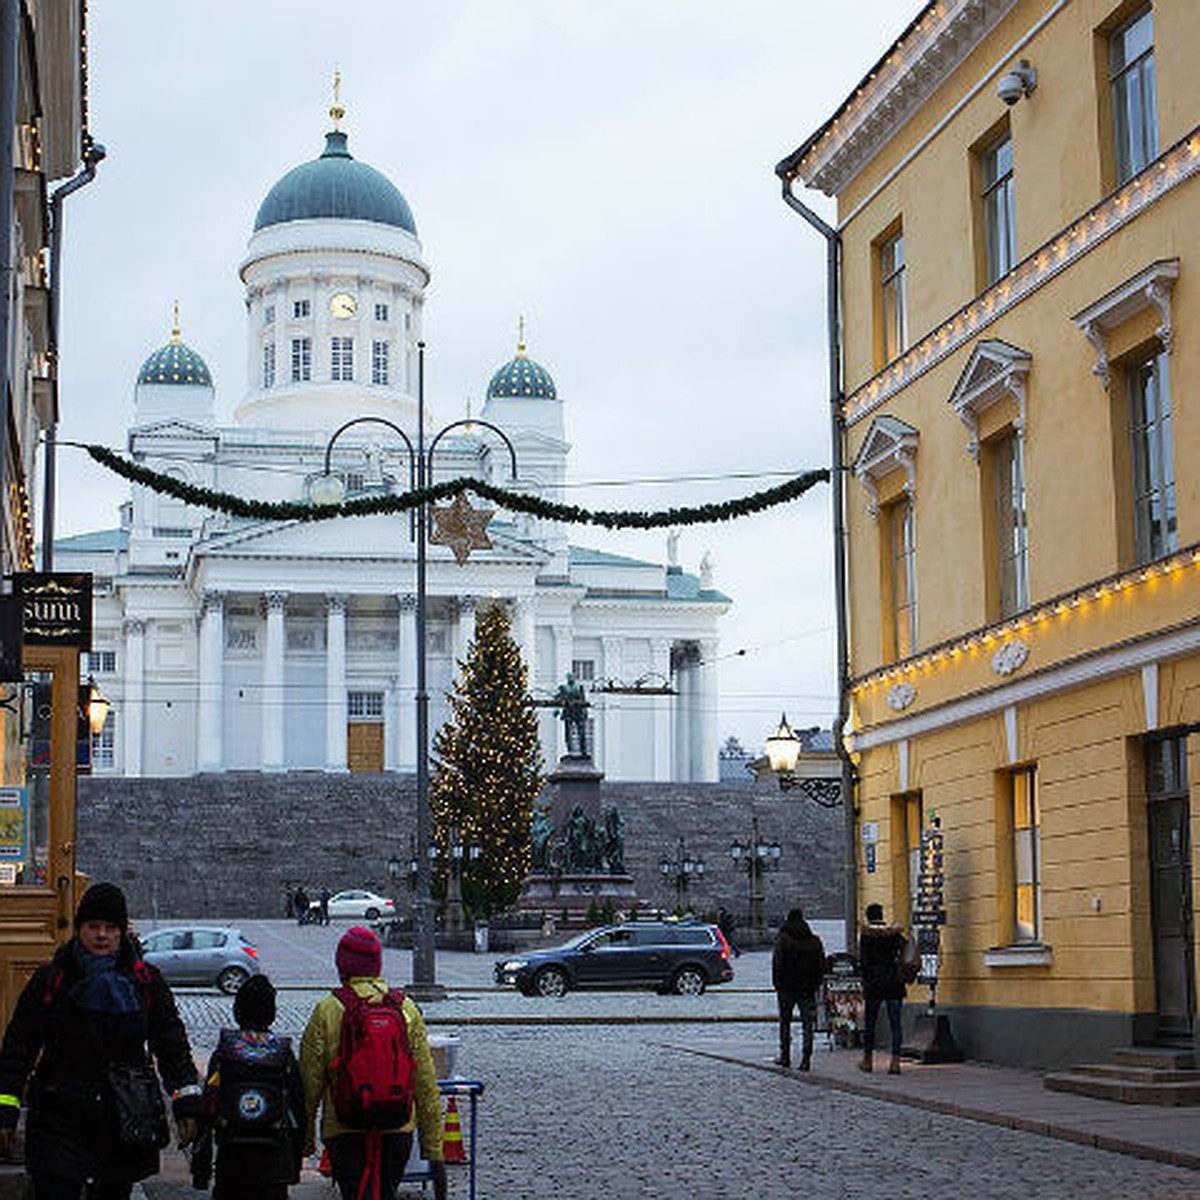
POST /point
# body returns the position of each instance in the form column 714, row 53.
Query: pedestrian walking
column 797, row 968
column 79, row 1036
column 300, row 900
column 324, row 906
column 726, row 924
column 254, row 1105
column 350, row 1027
column 880, row 949
column 289, row 901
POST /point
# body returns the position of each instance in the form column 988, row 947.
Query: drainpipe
column 833, row 244
column 93, row 153
column 10, row 35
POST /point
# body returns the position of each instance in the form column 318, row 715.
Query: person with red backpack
column 366, row 1064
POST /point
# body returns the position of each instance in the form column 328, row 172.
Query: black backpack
column 251, row 1102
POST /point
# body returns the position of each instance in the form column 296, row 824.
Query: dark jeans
column 47, row 1187
column 807, row 1003
column 872, row 1004
column 348, row 1158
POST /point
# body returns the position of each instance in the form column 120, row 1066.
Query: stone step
column 1136, row 1074
column 1164, row 1057
column 1123, row 1090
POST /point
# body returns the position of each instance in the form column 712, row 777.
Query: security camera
column 1018, row 82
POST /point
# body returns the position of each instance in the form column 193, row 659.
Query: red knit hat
column 359, row 952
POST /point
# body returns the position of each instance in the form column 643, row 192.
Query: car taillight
column 724, row 945
column 250, row 950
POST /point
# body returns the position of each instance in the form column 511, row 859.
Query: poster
column 14, row 824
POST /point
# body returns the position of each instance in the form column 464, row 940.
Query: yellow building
column 1018, row 198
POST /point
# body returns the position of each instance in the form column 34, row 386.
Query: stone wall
column 225, row 845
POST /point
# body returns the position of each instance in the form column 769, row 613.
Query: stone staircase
column 1136, row 1075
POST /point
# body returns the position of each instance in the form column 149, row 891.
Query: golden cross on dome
column 521, row 336
column 461, row 527
column 175, row 327
column 336, row 111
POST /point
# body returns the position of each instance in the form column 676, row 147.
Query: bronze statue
column 573, row 704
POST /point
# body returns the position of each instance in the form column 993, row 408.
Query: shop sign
column 56, row 608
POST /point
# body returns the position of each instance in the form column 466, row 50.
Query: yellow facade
column 1062, row 942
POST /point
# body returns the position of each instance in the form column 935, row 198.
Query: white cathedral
column 227, row 644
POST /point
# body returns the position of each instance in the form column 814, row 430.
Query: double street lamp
column 329, row 489
column 398, row 867
column 756, row 857
column 683, row 868
column 460, row 854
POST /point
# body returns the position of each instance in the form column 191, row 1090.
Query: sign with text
column 14, row 824
column 56, row 608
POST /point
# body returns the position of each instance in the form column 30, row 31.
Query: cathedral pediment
column 172, row 429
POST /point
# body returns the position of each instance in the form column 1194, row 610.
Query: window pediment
column 1150, row 287
column 890, row 445
column 995, row 369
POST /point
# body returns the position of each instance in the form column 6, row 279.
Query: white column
column 135, row 694
column 563, row 643
column 523, row 632
column 660, row 650
column 707, row 769
column 335, row 684
column 210, row 706
column 406, row 685
column 680, row 713
column 609, row 725
column 467, row 607
column 273, row 697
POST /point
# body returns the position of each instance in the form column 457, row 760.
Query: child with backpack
column 254, row 1103
column 366, row 1064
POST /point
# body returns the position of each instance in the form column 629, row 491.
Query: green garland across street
column 571, row 514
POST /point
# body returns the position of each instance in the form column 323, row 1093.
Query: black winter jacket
column 879, row 951
column 798, row 960
column 62, row 1053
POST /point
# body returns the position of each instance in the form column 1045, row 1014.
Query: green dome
column 522, row 377
column 175, row 363
column 335, row 185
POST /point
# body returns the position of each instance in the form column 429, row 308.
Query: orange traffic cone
column 452, row 1139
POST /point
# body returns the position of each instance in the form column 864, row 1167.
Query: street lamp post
column 459, row 853
column 783, row 753
column 681, row 869
column 329, row 490
column 756, row 856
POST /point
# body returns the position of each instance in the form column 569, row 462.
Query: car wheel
column 550, row 981
column 231, row 979
column 689, row 981
column 372, row 914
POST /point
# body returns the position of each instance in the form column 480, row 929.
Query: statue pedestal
column 569, row 898
column 576, row 784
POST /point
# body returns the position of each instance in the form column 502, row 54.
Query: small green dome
column 522, row 377
column 335, row 185
column 175, row 363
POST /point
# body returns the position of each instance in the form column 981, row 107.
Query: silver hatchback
column 202, row 954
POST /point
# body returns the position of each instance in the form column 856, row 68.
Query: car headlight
column 513, row 964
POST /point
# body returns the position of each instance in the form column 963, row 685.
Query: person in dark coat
column 797, row 968
column 93, row 1004
column 300, row 902
column 262, row 1165
column 880, row 947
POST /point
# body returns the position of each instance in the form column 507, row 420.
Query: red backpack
column 374, row 1073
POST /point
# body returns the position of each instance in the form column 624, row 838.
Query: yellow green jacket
column 319, row 1047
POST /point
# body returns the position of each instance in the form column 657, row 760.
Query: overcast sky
column 602, row 167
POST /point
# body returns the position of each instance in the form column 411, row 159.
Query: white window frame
column 1133, row 88
column 102, row 662
column 381, row 311
column 301, row 359
column 999, row 214
column 892, row 295
column 301, row 309
column 1027, row 860
column 341, row 359
column 104, row 744
column 1152, row 459
column 268, row 365
column 379, row 363
column 1012, row 531
column 364, row 705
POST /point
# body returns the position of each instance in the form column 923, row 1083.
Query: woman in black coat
column 93, row 1004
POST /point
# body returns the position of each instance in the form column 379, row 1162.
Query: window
column 301, row 359
column 268, row 371
column 584, row 669
column 902, row 561
column 1027, row 854
column 104, row 743
column 379, row 362
column 891, row 294
column 999, row 219
column 355, row 481
column 341, row 358
column 381, row 312
column 1131, row 82
column 101, row 662
column 365, row 706
column 269, row 315
column 301, row 308
column 1012, row 536
column 1155, row 527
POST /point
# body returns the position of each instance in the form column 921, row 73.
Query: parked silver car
column 202, row 954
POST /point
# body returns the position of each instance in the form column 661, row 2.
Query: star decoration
column 461, row 527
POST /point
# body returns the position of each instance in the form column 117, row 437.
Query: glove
column 439, row 1180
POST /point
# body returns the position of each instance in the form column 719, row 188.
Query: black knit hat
column 254, row 1004
column 103, row 902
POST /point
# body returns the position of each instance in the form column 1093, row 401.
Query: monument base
column 571, row 897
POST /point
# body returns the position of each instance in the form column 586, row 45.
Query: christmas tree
column 487, row 769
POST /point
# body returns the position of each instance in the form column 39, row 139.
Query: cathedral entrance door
column 364, row 747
